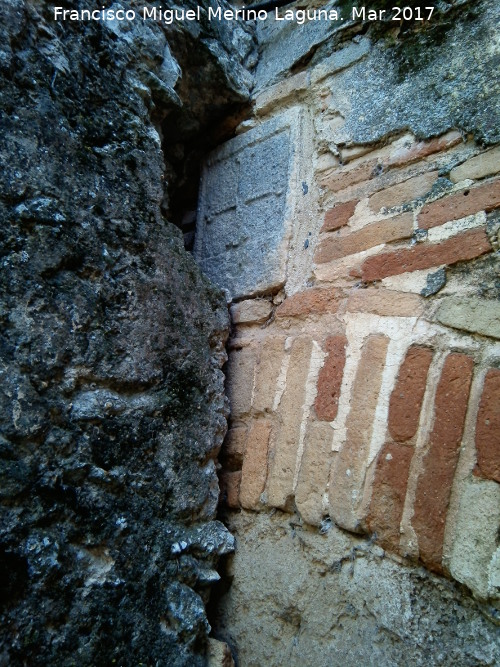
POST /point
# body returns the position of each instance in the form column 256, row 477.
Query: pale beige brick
column 485, row 164
column 290, row 411
column 348, row 474
column 314, row 472
column 240, row 375
column 387, row 303
column 268, row 367
column 254, row 472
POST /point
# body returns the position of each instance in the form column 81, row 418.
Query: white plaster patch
column 454, row 227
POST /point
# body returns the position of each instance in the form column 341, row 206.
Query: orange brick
column 389, row 493
column 406, row 399
column 435, row 481
column 330, row 379
column 422, row 149
column 335, row 247
column 458, row 205
column 317, row 300
column 403, row 192
column 464, row 246
column 254, row 472
column 342, row 178
column 488, row 428
column 338, row 216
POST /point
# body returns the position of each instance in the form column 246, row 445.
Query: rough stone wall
column 363, row 369
column 112, row 401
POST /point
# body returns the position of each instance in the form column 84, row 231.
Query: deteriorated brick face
column 233, row 449
column 389, row 493
column 240, row 372
column 394, row 229
column 388, row 303
column 408, row 394
column 314, row 472
column 346, row 481
column 439, row 463
column 460, row 204
column 403, row 192
column 424, row 256
column 268, row 367
column 254, row 471
column 488, row 428
column 284, row 454
column 338, row 216
column 319, row 300
column 424, row 148
column 229, row 483
column 343, row 178
column 330, row 379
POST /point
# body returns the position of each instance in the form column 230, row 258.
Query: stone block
column 337, row 246
column 488, row 428
column 247, row 204
column 476, row 315
column 485, row 164
column 458, row 205
column 281, row 91
column 254, row 471
column 341, row 59
column 218, row 654
column 251, row 311
column 468, row 245
column 406, row 399
column 330, row 379
column 407, row 191
column 435, row 480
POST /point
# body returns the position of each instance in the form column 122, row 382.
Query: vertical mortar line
column 281, row 381
column 408, row 542
column 315, row 363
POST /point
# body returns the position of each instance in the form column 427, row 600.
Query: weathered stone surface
column 389, row 493
column 246, row 206
column 219, row 654
column 480, row 316
column 254, row 471
column 330, row 379
column 488, row 427
column 440, row 460
column 283, row 456
column 348, row 473
column 252, row 311
column 408, row 394
column 460, row 204
column 340, row 59
column 281, row 91
column 337, row 246
column 332, row 600
column 424, row 256
column 484, row 164
column 112, row 405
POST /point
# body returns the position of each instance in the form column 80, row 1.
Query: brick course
column 338, row 216
column 254, row 471
column 330, row 379
column 488, row 428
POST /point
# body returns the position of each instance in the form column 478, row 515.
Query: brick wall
column 365, row 387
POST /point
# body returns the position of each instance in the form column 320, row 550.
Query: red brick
column 406, row 399
column 338, row 216
column 254, row 472
column 229, row 483
column 464, row 246
column 438, row 465
column 458, row 205
column 317, row 300
column 389, row 493
column 342, row 178
column 403, row 192
column 330, row 379
column 488, row 428
column 335, row 247
column 424, row 148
